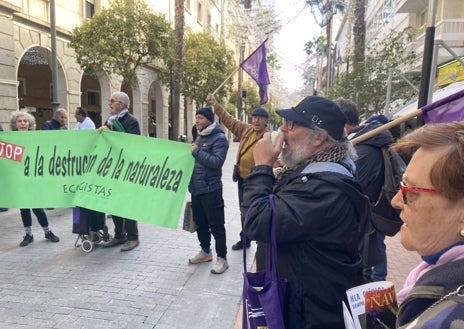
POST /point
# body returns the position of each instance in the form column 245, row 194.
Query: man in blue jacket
column 59, row 120
column 210, row 151
column 370, row 173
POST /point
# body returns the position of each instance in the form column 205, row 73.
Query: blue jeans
column 379, row 271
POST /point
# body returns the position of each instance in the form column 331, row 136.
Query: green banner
column 131, row 176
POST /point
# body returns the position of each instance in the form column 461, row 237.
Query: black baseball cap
column 317, row 111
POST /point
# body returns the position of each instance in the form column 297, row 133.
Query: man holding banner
column 125, row 230
column 210, row 151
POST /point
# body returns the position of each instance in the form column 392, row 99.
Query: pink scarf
column 451, row 255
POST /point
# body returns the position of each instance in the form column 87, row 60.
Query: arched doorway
column 156, row 116
column 35, row 88
column 126, row 88
column 91, row 98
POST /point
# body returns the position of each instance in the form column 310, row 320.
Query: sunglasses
column 404, row 189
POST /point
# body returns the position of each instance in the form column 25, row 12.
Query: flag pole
column 427, row 61
column 54, row 66
column 222, row 84
column 386, row 126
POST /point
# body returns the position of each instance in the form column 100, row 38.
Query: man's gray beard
column 292, row 158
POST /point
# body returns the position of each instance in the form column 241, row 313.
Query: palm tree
column 178, row 67
column 359, row 33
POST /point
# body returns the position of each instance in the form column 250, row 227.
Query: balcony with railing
column 450, row 31
column 411, row 6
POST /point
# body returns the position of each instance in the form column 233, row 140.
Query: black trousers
column 38, row 212
column 240, row 183
column 124, row 227
column 208, row 214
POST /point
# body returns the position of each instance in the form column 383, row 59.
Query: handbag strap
column 271, row 252
column 245, row 150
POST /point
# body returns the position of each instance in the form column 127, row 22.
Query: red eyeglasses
column 405, row 189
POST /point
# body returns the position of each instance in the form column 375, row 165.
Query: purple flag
column 448, row 109
column 255, row 65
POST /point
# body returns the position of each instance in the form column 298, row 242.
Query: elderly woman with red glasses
column 431, row 200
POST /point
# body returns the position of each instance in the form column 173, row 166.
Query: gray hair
column 16, row 115
column 122, row 97
column 58, row 111
column 344, row 142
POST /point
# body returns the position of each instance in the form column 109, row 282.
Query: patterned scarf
column 335, row 153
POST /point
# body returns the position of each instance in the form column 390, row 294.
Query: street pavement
column 59, row 286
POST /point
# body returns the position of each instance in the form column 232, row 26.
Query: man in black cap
column 248, row 135
column 318, row 211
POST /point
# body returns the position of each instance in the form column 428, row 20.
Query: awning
column 437, row 95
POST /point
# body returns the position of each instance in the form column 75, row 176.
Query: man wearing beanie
column 248, row 134
column 318, row 211
column 209, row 150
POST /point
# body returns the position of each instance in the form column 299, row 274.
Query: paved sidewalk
column 400, row 261
column 55, row 285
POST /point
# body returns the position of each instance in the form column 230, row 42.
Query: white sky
column 298, row 27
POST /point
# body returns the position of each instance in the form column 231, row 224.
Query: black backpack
column 385, row 218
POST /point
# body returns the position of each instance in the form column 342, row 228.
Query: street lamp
column 55, row 103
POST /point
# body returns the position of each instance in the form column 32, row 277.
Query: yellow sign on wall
column 444, row 71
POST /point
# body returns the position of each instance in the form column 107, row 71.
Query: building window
column 187, row 5
column 422, row 19
column 199, row 13
column 89, row 8
column 93, row 97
